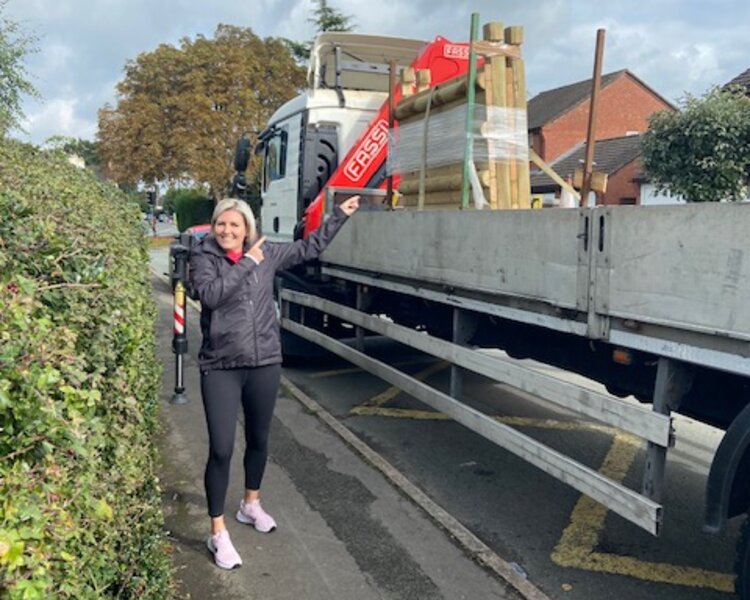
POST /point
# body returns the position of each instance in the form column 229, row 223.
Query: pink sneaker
column 253, row 514
column 225, row 556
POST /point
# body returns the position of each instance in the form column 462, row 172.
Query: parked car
column 199, row 231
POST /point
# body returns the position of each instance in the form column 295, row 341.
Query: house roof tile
column 546, row 106
column 609, row 156
column 742, row 79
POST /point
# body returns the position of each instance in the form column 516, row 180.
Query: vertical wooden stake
column 512, row 162
column 492, row 166
column 591, row 134
column 516, row 73
column 524, row 177
column 493, row 32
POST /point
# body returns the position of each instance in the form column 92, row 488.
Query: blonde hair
column 241, row 207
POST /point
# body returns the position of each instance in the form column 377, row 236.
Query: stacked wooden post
column 515, row 80
column 500, row 83
column 497, row 95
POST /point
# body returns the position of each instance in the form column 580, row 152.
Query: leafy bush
column 702, row 151
column 80, row 512
column 191, row 207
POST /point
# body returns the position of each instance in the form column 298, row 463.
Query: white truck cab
column 347, row 83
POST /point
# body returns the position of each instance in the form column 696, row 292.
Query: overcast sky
column 675, row 46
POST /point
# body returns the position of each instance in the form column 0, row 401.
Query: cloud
column 669, row 48
column 674, row 46
column 61, row 116
column 294, row 26
column 57, row 57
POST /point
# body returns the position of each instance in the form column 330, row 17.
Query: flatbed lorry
column 653, row 302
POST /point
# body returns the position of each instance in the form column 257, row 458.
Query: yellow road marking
column 658, row 572
column 581, row 536
column 393, row 391
column 399, row 413
column 426, row 415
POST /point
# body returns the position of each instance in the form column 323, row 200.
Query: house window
column 627, row 201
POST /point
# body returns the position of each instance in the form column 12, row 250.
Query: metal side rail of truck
column 652, row 302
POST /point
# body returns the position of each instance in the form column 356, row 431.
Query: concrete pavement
column 344, row 532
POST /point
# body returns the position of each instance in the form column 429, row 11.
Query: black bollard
column 179, row 255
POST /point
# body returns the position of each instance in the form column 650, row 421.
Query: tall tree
column 15, row 46
column 325, row 18
column 181, row 110
column 702, row 151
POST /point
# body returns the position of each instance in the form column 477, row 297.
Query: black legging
column 222, row 391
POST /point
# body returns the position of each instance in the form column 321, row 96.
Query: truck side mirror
column 242, row 154
column 239, row 186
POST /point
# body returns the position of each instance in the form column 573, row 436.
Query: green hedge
column 191, row 207
column 80, row 511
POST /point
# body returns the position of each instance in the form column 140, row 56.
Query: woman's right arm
column 215, row 288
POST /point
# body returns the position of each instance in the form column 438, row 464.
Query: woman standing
column 240, row 358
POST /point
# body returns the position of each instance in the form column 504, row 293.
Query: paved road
column 162, row 229
column 569, row 546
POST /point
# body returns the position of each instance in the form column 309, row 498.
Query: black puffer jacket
column 239, row 322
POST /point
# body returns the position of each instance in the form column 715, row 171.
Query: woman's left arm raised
column 291, row 254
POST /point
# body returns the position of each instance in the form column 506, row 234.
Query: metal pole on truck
column 391, row 122
column 179, row 254
column 470, row 98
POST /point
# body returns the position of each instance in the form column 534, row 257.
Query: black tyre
column 742, row 565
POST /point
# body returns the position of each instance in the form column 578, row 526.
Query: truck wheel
column 742, row 566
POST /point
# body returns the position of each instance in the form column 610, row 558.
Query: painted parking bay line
column 393, row 391
column 576, row 547
column 431, row 415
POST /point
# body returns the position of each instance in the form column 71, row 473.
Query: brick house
column 558, row 122
column 617, row 157
column 558, row 119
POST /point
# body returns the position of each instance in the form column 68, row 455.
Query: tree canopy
column 702, row 151
column 181, row 109
column 15, row 45
column 325, row 18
